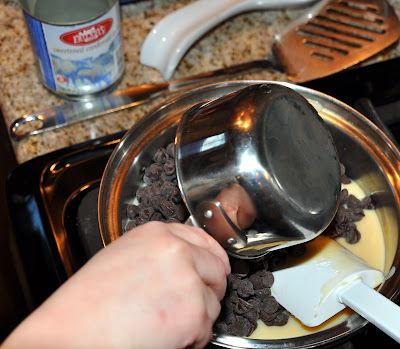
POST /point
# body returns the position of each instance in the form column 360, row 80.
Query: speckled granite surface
column 245, row 37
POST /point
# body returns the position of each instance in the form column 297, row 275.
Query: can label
column 79, row 59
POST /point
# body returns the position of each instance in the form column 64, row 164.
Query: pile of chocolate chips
column 160, row 199
column 350, row 211
column 248, row 297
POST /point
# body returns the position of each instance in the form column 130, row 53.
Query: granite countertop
column 245, row 37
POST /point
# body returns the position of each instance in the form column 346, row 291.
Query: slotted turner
column 339, row 35
column 332, row 36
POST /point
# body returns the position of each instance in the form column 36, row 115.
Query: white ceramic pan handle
column 374, row 307
column 169, row 40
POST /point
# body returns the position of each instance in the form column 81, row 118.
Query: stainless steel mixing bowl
column 371, row 159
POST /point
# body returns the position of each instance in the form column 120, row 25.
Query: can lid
column 71, row 12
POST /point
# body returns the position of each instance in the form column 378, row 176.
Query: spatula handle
column 373, row 306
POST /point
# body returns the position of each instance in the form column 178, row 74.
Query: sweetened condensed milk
column 77, row 44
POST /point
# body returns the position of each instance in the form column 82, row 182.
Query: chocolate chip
column 243, row 307
column 233, row 281
column 248, row 326
column 130, row 225
column 270, row 305
column 256, row 304
column 262, row 279
column 154, row 171
column 267, row 317
column 263, row 294
column 281, row 319
column 267, row 278
column 169, row 167
column 167, row 208
column 245, row 288
column 366, row 203
column 345, row 180
column 242, row 328
column 147, row 180
column 167, row 188
column 165, row 178
column 257, row 282
column 161, row 156
column 143, row 195
column 353, row 202
column 156, row 188
column 220, row 327
column 155, row 201
column 146, row 213
column 232, row 297
column 342, row 169
column 157, row 216
column 175, row 197
column 236, row 329
column 139, row 220
column 358, row 214
column 228, row 307
column 252, row 314
column 231, row 319
column 353, row 236
column 277, row 260
column 343, row 196
column 132, row 211
column 171, row 150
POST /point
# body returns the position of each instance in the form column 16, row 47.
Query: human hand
column 157, row 286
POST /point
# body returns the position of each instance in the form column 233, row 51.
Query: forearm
column 152, row 292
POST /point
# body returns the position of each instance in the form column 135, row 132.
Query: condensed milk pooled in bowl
column 77, row 45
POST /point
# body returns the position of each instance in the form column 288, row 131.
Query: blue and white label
column 79, row 59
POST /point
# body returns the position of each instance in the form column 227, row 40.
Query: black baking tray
column 41, row 194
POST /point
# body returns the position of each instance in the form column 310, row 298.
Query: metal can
column 77, row 45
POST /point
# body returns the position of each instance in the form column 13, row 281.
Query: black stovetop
column 53, row 198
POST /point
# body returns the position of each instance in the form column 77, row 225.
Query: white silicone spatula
column 169, row 40
column 328, row 279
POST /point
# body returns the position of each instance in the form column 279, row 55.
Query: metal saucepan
column 268, row 142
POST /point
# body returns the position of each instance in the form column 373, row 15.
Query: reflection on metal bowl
column 375, row 168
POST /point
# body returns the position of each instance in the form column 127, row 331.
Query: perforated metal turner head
column 336, row 35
